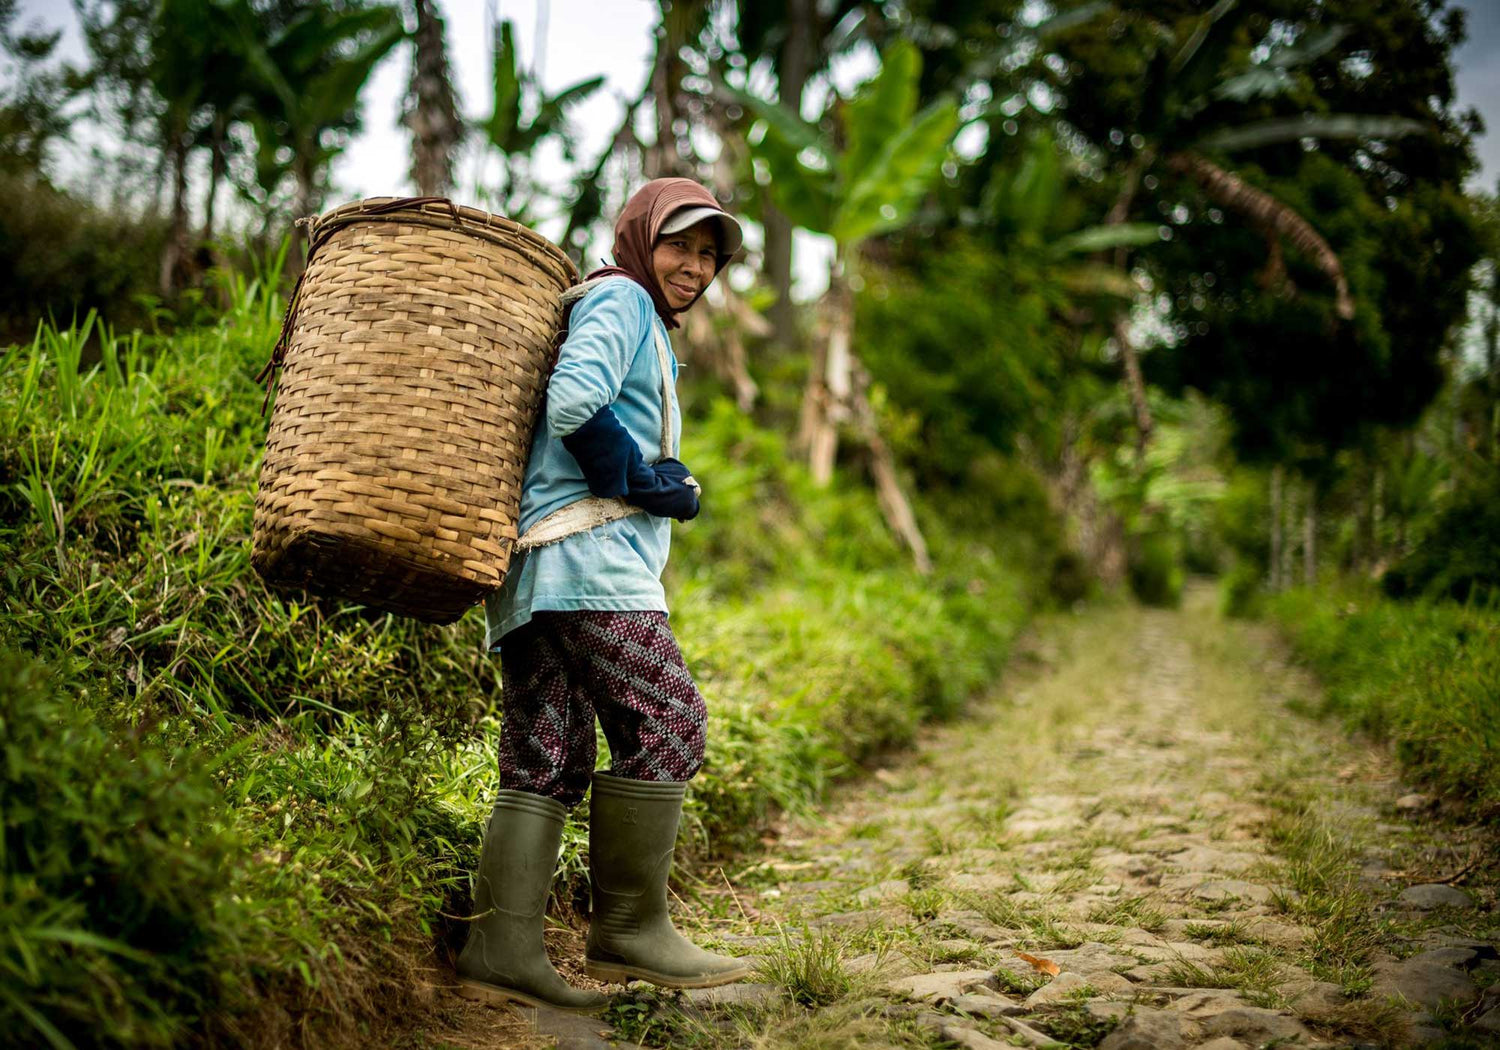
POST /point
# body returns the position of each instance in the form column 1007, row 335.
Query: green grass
column 808, row 967
column 1423, row 675
column 319, row 773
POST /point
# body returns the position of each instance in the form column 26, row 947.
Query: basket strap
column 593, row 511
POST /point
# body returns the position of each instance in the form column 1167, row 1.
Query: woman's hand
column 612, row 465
column 666, row 489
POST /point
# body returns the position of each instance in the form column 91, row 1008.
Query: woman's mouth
column 687, row 291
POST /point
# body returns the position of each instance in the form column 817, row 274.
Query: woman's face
column 684, row 262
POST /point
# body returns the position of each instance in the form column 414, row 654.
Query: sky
column 584, row 38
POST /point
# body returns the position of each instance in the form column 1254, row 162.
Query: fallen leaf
column 1046, row 966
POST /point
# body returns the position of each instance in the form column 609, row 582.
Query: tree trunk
column 218, row 165
column 1309, row 539
column 176, row 246
column 1289, row 515
column 680, row 23
column 1136, row 384
column 1267, row 214
column 793, row 68
column 1377, row 518
column 431, row 107
column 893, row 501
column 826, row 403
column 1276, row 501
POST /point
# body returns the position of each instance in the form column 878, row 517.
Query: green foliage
column 1240, row 590
column 60, row 255
column 1423, row 675
column 875, row 183
column 808, row 968
column 1458, row 556
column 1154, row 569
column 353, row 753
column 964, row 337
column 112, row 874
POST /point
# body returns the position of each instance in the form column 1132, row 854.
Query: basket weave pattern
column 415, row 360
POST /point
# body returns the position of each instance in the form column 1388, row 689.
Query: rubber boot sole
column 620, row 973
column 498, row 996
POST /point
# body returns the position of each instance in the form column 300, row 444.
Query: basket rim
column 445, row 214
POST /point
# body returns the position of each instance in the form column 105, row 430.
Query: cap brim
column 730, row 235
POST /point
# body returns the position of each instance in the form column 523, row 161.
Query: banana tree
column 521, row 117
column 306, row 75
column 873, row 184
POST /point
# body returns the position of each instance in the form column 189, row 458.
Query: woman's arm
column 604, row 333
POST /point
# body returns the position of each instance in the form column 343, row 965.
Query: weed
column 926, row 905
column 1185, row 974
column 1075, row 1026
column 1018, row 983
column 810, row 968
column 1130, row 911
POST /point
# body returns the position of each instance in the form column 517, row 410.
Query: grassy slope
column 1423, row 675
column 246, row 815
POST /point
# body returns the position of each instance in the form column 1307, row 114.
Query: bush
column 1424, row 675
column 61, row 257
column 1155, row 569
column 1240, row 592
column 112, row 885
column 1459, row 555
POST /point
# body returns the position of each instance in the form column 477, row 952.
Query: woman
column 582, row 624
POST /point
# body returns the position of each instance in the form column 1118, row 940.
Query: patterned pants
column 562, row 669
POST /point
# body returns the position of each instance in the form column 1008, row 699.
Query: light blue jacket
column 608, row 358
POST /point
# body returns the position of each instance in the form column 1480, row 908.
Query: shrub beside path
column 1140, row 842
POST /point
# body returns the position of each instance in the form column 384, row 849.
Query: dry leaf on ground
column 1046, row 966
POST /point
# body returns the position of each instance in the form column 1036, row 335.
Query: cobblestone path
column 1141, row 841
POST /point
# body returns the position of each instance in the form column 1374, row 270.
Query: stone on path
column 969, row 1038
column 572, row 1031
column 977, row 928
column 891, row 964
column 986, row 1004
column 1056, row 990
column 1314, row 1000
column 742, row 994
column 1224, row 889
column 1206, row 858
column 1423, row 982
column 1255, row 1025
column 1180, row 951
column 1222, row 1042
column 1434, row 895
column 940, row 987
column 1413, row 803
column 1146, row 1030
column 1090, row 958
column 978, row 882
column 884, row 891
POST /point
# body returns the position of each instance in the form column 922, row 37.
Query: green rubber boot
column 504, row 960
column 632, row 831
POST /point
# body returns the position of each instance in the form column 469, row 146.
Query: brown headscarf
column 636, row 231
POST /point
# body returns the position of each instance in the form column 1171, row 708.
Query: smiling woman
column 582, row 622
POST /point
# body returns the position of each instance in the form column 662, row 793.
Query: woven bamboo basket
column 413, row 360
